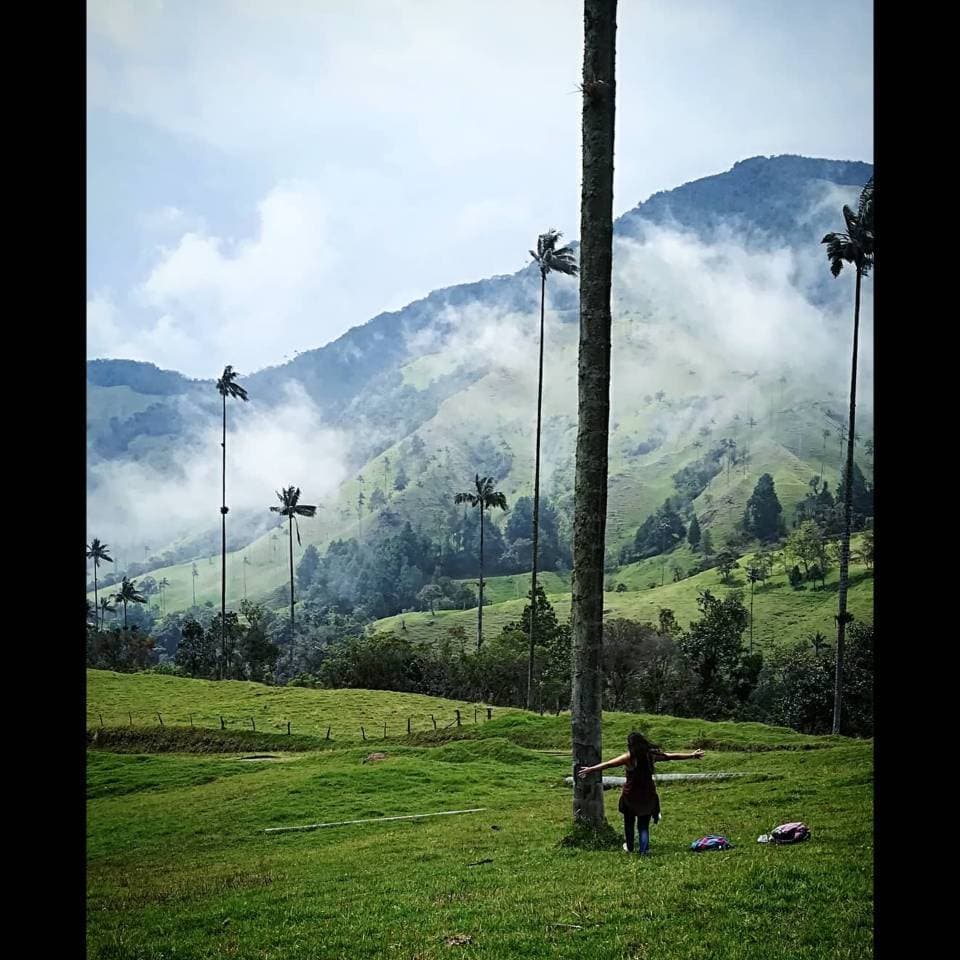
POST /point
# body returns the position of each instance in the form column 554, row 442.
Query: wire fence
column 369, row 729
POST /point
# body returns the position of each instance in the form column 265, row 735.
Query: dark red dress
column 639, row 796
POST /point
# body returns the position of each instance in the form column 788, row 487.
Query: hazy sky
column 264, row 174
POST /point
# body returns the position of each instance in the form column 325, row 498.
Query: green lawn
column 179, row 865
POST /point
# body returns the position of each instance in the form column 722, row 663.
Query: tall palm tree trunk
column 480, row 607
column 97, row 619
column 590, row 493
column 536, row 504
column 124, row 614
column 223, row 548
column 291, row 591
column 847, row 515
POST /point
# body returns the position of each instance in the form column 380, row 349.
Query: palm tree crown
column 856, row 245
column 98, row 552
column 548, row 258
column 290, row 506
column 483, row 496
column 227, row 385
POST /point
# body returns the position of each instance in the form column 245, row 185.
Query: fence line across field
column 313, row 729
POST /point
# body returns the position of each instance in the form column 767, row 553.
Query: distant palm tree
column 97, row 552
column 163, row 584
column 128, row 593
column 856, row 247
column 105, row 608
column 823, row 454
column 483, row 497
column 361, row 499
column 226, row 387
column 195, row 573
column 291, row 507
column 246, row 563
column 754, row 575
column 548, row 258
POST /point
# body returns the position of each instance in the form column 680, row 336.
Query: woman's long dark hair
column 640, row 750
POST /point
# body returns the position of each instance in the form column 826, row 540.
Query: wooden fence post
column 489, row 713
column 363, row 733
column 384, row 729
column 100, row 715
column 254, row 723
column 408, row 726
column 474, row 714
column 328, row 734
column 458, row 717
column 223, row 726
column 191, row 719
column 434, row 719
column 288, row 728
column 130, row 715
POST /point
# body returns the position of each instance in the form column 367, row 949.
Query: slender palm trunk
column 223, row 548
column 97, row 620
column 124, row 614
column 847, row 513
column 480, row 608
column 590, row 493
column 291, row 591
column 752, row 585
column 536, row 503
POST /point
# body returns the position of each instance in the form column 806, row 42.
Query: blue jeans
column 643, row 824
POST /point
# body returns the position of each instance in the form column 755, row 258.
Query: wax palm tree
column 193, row 576
column 128, row 593
column 483, row 497
column 163, row 584
column 291, row 507
column 548, row 258
column 105, row 608
column 246, row 563
column 593, row 402
column 98, row 553
column 855, row 247
column 226, row 387
column 823, row 454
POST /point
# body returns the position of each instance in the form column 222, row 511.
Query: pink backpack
column 786, row 833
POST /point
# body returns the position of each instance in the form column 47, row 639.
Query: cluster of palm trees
column 128, row 593
column 549, row 259
column 289, row 507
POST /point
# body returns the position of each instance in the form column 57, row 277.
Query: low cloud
column 131, row 503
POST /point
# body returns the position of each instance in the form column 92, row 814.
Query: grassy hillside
column 701, row 404
column 310, row 712
column 782, row 615
column 178, row 864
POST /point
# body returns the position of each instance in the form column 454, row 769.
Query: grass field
column 179, row 865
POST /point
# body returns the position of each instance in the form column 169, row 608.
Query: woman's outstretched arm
column 615, row 762
column 696, row 755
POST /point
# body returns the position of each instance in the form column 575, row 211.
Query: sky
column 263, row 175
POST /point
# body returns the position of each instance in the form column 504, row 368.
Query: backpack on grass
column 786, row 833
column 712, row 841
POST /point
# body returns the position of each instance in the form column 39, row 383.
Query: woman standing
column 639, row 800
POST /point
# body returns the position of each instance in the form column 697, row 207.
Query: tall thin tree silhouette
column 548, row 258
column 855, row 247
column 226, row 387
column 291, row 507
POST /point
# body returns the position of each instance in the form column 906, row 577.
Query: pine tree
column 762, row 516
column 693, row 534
